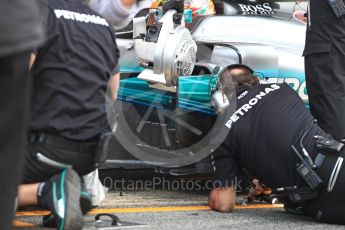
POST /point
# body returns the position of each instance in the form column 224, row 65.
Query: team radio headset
column 219, row 100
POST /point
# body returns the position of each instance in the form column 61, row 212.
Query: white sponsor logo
column 242, row 94
column 264, row 8
column 86, row 18
column 252, row 102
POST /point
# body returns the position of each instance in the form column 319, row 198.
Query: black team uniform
column 269, row 119
column 71, row 73
column 324, row 67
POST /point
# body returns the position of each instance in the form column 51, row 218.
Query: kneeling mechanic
column 274, row 137
column 71, row 72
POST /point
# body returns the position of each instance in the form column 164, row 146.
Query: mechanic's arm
column 114, row 81
column 222, row 199
column 115, row 11
column 128, row 3
column 114, row 84
column 226, row 168
column 32, row 60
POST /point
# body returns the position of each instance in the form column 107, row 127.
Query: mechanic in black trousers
column 20, row 33
column 68, row 116
column 274, row 137
column 324, row 64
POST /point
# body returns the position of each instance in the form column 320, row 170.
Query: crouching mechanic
column 71, row 72
column 272, row 136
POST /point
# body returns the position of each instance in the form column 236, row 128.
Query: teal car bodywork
column 193, row 92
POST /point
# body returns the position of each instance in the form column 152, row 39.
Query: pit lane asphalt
column 168, row 209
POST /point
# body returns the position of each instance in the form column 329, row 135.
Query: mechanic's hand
column 258, row 189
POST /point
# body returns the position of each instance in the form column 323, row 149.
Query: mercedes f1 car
column 167, row 112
